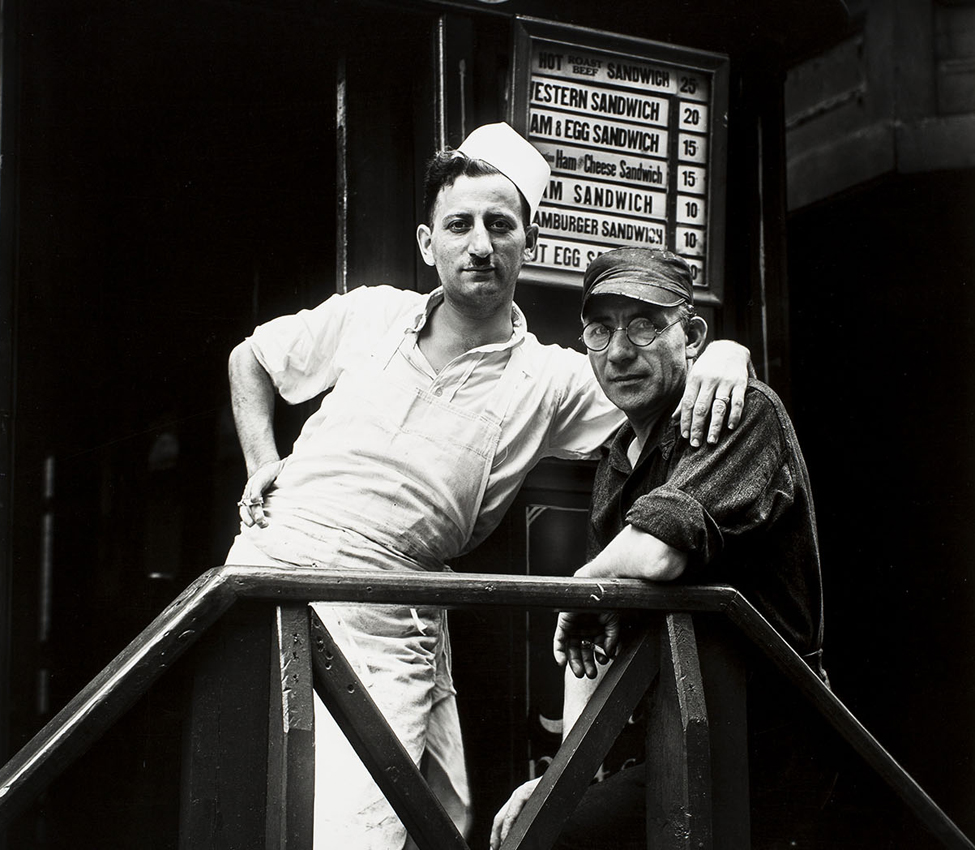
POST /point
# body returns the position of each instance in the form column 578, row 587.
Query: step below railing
column 693, row 753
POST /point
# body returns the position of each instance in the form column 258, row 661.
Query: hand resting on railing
column 583, row 637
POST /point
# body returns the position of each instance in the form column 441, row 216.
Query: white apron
column 407, row 474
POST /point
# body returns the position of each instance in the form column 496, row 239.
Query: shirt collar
column 518, row 322
column 663, row 438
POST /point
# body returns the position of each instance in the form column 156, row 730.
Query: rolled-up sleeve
column 717, row 492
column 298, row 350
column 303, row 352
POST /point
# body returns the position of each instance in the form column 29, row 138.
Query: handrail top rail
column 451, row 589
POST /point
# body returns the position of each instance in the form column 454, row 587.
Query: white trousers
column 402, row 656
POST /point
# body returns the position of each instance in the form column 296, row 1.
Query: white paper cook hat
column 515, row 157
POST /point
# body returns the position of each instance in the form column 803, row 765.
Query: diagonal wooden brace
column 360, row 719
column 586, row 745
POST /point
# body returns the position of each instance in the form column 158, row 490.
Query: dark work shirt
column 742, row 510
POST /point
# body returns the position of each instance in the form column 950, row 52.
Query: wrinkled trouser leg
column 406, row 674
column 403, row 657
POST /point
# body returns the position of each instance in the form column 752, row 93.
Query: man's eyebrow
column 468, row 215
column 465, row 214
column 501, row 213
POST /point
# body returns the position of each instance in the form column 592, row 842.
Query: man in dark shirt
column 738, row 513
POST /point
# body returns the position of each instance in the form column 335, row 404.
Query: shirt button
column 438, row 391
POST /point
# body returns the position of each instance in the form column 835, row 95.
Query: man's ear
column 531, row 242
column 697, row 334
column 424, row 236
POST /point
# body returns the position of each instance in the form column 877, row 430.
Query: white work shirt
column 555, row 409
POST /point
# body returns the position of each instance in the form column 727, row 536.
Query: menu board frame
column 573, row 93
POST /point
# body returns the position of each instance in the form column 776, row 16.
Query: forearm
column 636, row 554
column 252, row 397
column 732, row 354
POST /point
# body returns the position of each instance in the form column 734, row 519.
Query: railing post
column 225, row 747
column 678, row 747
column 723, row 672
column 697, row 740
column 291, row 737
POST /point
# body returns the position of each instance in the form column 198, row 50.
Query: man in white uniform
column 440, row 404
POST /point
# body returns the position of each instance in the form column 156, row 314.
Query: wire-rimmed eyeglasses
column 640, row 332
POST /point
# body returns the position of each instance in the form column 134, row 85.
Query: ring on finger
column 724, row 399
column 250, row 503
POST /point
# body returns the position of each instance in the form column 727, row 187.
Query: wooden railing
column 274, row 810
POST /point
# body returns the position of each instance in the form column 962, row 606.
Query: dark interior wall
column 177, row 182
column 177, row 186
column 882, row 289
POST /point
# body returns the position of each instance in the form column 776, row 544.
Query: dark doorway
column 882, row 292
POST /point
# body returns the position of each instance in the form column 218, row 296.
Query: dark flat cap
column 646, row 274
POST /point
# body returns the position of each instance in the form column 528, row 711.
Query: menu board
column 635, row 137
